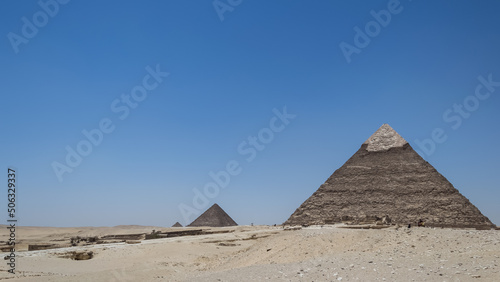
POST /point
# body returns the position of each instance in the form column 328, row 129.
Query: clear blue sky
column 226, row 77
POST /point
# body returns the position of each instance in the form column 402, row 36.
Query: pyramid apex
column 384, row 138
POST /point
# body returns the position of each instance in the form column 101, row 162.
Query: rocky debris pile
column 76, row 241
column 78, row 255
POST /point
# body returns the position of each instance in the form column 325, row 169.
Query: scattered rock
column 78, row 255
column 133, row 241
column 228, row 244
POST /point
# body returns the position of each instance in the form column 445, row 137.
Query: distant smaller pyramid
column 215, row 216
column 177, row 224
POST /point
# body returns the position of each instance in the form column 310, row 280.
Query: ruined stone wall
column 396, row 182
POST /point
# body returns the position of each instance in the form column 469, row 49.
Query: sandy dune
column 260, row 253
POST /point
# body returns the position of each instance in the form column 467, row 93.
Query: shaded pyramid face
column 215, row 216
column 386, row 177
column 177, row 224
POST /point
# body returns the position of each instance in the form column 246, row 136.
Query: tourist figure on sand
column 421, row 223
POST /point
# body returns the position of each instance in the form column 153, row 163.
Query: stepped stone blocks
column 387, row 179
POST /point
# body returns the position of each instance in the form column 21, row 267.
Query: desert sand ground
column 263, row 253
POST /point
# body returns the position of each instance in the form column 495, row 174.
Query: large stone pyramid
column 215, row 216
column 177, row 224
column 386, row 177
